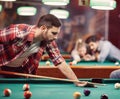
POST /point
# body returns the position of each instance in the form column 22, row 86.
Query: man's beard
column 49, row 41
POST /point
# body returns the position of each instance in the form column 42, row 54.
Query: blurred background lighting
column 26, row 11
column 8, row 0
column 0, row 7
column 56, row 2
column 60, row 13
column 103, row 4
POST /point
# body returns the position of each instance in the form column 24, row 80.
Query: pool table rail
column 80, row 71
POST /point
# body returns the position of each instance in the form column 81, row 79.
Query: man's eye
column 54, row 33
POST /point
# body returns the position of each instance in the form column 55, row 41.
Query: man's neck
column 38, row 35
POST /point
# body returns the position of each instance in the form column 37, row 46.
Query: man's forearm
column 67, row 71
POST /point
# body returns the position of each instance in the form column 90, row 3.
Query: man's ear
column 43, row 27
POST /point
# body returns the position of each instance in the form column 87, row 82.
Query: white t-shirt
column 31, row 50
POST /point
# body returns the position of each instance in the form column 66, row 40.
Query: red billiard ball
column 70, row 63
column 7, row 92
column 104, row 96
column 26, row 87
column 27, row 94
column 86, row 92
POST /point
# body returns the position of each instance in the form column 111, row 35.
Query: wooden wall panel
column 114, row 25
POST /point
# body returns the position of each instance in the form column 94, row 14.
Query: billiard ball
column 117, row 86
column 27, row 94
column 70, row 63
column 116, row 63
column 77, row 95
column 74, row 62
column 86, row 92
column 7, row 92
column 104, row 96
column 48, row 63
column 26, row 87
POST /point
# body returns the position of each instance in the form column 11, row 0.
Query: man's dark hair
column 49, row 20
column 92, row 38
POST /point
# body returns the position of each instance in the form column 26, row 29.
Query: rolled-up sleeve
column 54, row 53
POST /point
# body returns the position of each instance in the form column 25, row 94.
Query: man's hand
column 84, row 84
column 89, row 57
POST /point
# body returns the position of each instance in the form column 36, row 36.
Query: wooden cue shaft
column 34, row 76
column 38, row 76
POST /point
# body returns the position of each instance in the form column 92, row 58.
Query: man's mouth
column 50, row 41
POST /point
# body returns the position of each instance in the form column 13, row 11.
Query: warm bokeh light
column 103, row 4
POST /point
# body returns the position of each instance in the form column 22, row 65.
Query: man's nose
column 91, row 47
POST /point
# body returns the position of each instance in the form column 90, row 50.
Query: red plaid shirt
column 15, row 39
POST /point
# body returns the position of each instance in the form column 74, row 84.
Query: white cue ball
column 48, row 63
column 117, row 85
column 74, row 62
column 116, row 63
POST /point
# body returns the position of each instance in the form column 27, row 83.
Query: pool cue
column 39, row 76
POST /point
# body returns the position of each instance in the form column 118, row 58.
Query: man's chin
column 49, row 41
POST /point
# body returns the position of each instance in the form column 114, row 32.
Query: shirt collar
column 31, row 34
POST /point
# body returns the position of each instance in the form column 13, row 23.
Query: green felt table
column 65, row 55
column 83, row 63
column 50, row 89
column 84, row 69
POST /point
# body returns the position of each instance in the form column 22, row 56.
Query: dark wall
column 114, row 25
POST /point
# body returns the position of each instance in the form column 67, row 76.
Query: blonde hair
column 79, row 43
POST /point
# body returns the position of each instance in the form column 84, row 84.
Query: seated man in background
column 115, row 74
column 103, row 49
column 80, row 52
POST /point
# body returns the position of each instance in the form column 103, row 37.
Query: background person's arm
column 104, row 52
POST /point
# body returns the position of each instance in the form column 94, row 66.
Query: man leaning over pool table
column 22, row 46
